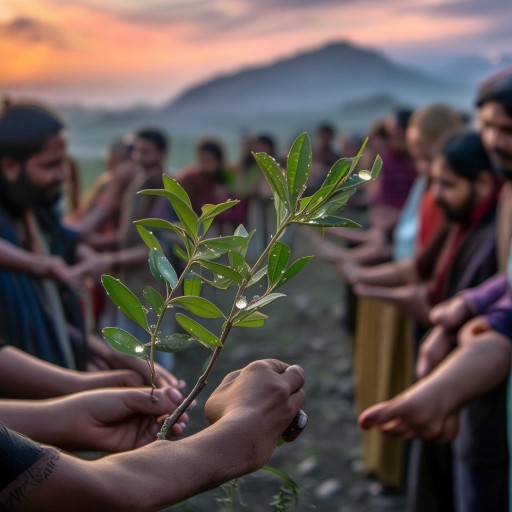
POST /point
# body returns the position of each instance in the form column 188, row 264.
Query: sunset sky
column 119, row 52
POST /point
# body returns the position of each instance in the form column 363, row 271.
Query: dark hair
column 25, row 129
column 268, row 140
column 213, row 147
column 156, row 136
column 326, row 128
column 497, row 88
column 465, row 154
column 402, row 117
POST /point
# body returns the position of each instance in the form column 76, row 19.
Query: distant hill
column 315, row 81
column 341, row 82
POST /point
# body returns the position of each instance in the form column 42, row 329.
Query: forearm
column 470, row 371
column 147, row 479
column 387, row 274
column 25, row 376
column 490, row 291
column 17, row 258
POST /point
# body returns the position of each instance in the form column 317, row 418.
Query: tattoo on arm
column 34, row 476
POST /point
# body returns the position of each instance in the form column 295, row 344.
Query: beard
column 461, row 214
column 24, row 195
column 502, row 163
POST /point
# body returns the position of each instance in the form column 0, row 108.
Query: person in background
column 475, row 371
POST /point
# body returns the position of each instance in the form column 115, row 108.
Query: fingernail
column 182, row 425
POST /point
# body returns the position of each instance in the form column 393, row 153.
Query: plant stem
column 202, row 381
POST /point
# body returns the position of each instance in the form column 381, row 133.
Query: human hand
column 259, row 402
column 451, row 314
column 84, row 381
column 433, row 349
column 418, row 412
column 113, row 419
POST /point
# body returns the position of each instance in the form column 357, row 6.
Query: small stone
column 307, row 465
column 328, row 489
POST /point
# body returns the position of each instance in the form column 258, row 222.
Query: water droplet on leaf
column 365, row 175
column 241, row 303
column 139, row 349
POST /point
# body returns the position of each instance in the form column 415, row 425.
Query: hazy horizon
column 125, row 52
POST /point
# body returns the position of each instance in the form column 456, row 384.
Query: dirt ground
column 304, row 328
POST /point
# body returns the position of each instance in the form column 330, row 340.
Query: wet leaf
column 171, row 185
column 266, row 299
column 149, row 238
column 161, row 265
column 222, row 270
column 173, row 342
column 338, row 172
column 162, row 224
column 185, row 213
column 192, row 284
column 253, row 319
column 274, row 177
column 125, row 300
column 278, row 258
column 292, row 270
column 258, row 276
column 124, row 342
column 198, row 306
column 197, row 331
column 154, row 299
column 331, row 221
column 298, row 166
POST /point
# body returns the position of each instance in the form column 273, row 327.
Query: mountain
column 346, row 84
column 313, row 82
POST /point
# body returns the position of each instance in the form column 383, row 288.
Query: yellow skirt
column 383, row 365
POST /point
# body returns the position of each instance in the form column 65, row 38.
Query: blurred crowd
column 426, row 283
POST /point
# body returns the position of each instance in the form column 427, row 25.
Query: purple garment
column 493, row 300
column 395, row 180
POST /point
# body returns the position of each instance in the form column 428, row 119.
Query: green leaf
column 222, row 270
column 224, row 243
column 161, row 265
column 209, row 211
column 125, row 300
column 124, row 342
column 353, row 182
column 154, row 299
column 298, row 166
column 266, row 299
column 173, row 342
column 163, row 224
column 278, row 258
column 274, row 177
column 281, row 211
column 292, row 270
column 253, row 319
column 185, row 213
column 330, row 221
column 241, row 231
column 199, row 306
column 149, row 239
column 376, row 167
column 338, row 172
column 237, row 262
column 222, row 283
column 192, row 284
column 336, row 203
column 322, row 195
column 210, row 254
column 171, row 185
column 258, row 275
column 180, row 252
column 197, row 331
